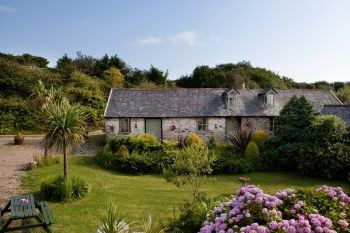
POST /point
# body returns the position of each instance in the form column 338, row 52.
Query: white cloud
column 7, row 9
column 149, row 40
column 185, row 37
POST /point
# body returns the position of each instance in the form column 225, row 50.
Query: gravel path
column 14, row 158
column 12, row 161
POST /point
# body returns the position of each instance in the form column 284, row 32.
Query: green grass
column 138, row 195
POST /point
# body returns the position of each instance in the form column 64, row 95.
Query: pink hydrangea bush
column 326, row 209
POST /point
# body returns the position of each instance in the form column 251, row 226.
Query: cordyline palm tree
column 65, row 127
column 40, row 97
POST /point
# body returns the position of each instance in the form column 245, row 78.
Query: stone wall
column 137, row 125
column 256, row 123
column 184, row 126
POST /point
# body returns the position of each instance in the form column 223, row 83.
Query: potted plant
column 19, row 139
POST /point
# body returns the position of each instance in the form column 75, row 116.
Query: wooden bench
column 45, row 210
column 18, row 211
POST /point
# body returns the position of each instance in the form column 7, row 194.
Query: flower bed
column 252, row 211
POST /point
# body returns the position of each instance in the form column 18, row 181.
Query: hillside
column 87, row 80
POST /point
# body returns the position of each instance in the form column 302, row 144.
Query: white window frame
column 269, row 100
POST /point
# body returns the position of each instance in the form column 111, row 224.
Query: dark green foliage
column 60, row 190
column 234, row 75
column 157, row 76
column 79, row 188
column 193, row 213
column 27, row 60
column 292, row 128
column 55, row 190
column 325, row 153
column 14, row 116
column 230, row 162
column 144, row 155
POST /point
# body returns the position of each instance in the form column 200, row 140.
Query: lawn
column 139, row 195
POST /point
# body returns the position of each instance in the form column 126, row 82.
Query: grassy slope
column 139, row 195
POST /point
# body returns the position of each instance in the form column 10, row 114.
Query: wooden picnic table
column 25, row 207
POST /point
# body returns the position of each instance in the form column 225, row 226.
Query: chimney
column 243, row 85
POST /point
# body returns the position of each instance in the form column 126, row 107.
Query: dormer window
column 269, row 100
column 231, row 101
column 229, row 98
column 268, row 96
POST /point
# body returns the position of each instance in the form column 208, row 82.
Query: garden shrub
column 240, row 138
column 231, row 162
column 292, row 130
column 194, row 140
column 55, row 190
column 325, row 153
column 123, row 151
column 79, row 188
column 193, row 213
column 252, row 150
column 49, row 160
column 143, row 142
column 322, row 210
column 212, row 143
column 60, row 190
column 169, row 144
column 260, row 137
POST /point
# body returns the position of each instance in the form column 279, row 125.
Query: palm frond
column 65, row 125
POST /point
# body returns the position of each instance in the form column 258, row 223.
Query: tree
column 325, row 153
column 65, row 65
column 292, row 128
column 85, row 63
column 113, row 77
column 190, row 167
column 157, row 76
column 344, row 94
column 39, row 100
column 65, row 128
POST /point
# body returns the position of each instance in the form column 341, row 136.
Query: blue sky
column 306, row 40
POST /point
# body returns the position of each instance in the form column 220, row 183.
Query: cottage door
column 154, row 126
column 229, row 125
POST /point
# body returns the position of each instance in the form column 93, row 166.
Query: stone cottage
column 170, row 113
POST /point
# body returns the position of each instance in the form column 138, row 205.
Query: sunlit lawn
column 139, row 195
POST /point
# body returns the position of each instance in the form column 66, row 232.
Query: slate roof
column 205, row 102
column 341, row 111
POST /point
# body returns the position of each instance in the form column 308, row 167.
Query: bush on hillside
column 260, row 137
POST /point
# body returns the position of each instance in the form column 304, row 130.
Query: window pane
column 124, row 125
column 202, row 124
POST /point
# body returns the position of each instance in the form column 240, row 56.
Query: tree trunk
column 46, row 151
column 65, row 161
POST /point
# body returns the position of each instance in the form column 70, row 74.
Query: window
column 202, row 125
column 231, row 101
column 269, row 100
column 272, row 124
column 124, row 125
